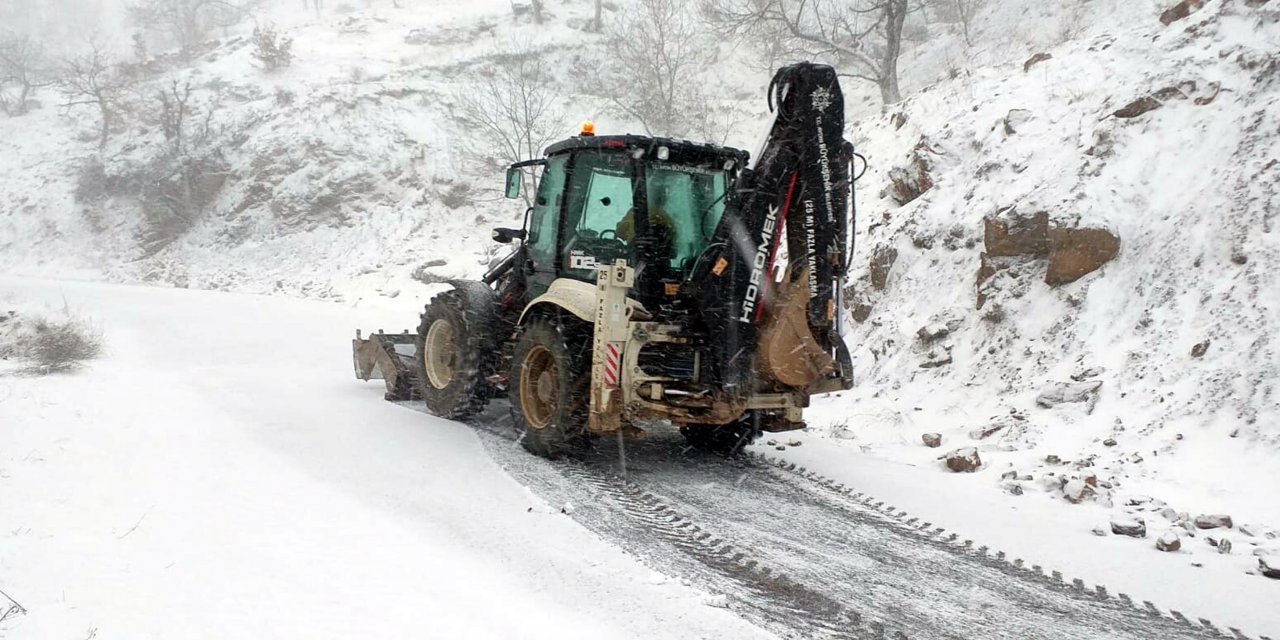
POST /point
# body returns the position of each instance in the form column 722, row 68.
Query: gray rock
column 1128, row 526
column 1168, row 542
column 1269, row 568
column 931, row 440
column 1213, row 521
column 1067, row 392
column 1077, row 491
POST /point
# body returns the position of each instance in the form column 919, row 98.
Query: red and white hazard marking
column 612, row 361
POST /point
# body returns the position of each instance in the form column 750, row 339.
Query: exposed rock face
column 1269, row 567
column 1034, row 60
column 982, row 433
column 1179, row 11
column 1017, row 236
column 1137, row 107
column 861, row 312
column 1127, row 526
column 1074, row 253
column 907, row 183
column 964, row 460
column 882, row 259
column 1064, row 392
column 1213, row 521
column 931, row 440
column 1168, row 542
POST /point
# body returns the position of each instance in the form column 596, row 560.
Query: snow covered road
column 219, row 474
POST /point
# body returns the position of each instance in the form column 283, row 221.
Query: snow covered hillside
column 1149, row 385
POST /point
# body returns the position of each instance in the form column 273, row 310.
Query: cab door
column 543, row 227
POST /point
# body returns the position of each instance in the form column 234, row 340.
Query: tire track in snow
column 808, row 558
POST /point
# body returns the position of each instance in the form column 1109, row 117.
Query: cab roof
column 679, row 150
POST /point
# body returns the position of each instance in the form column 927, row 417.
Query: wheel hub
column 539, row 387
column 440, row 353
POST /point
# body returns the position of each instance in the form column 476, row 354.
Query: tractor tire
column 723, row 439
column 457, row 352
column 549, row 380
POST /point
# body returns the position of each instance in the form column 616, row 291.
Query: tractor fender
column 576, row 297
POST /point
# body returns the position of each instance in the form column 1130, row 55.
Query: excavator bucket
column 388, row 357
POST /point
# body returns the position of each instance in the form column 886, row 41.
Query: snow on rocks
column 1213, row 521
column 964, row 460
column 1269, row 567
column 931, row 440
column 1077, row 491
column 719, row 600
column 1068, row 392
column 1168, row 541
column 1133, row 527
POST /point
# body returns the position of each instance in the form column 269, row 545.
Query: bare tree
column 510, row 108
column 862, row 38
column 658, row 55
column 187, row 22
column 959, row 12
column 23, row 65
column 91, row 79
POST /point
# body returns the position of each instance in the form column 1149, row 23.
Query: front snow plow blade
column 389, row 357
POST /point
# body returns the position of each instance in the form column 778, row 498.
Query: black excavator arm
column 798, row 192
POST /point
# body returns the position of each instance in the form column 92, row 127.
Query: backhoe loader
column 653, row 281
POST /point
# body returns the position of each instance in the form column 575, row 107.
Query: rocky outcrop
column 1075, row 253
column 1016, row 235
column 1138, row 107
column 931, row 440
column 1179, row 11
column 882, row 259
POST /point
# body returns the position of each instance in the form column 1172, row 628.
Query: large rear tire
column 456, row 355
column 550, row 376
column 723, row 439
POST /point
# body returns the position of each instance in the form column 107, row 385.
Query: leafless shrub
column 658, row 54
column 862, row 38
column 509, row 108
column 62, row 345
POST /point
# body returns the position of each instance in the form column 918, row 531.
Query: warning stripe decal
column 612, row 360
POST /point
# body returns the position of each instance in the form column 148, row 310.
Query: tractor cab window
column 599, row 198
column 546, row 208
column 685, row 203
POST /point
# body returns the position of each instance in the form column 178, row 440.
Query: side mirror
column 513, row 183
column 505, row 236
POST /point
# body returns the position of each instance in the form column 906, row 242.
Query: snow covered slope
column 1192, row 190
column 220, row 474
